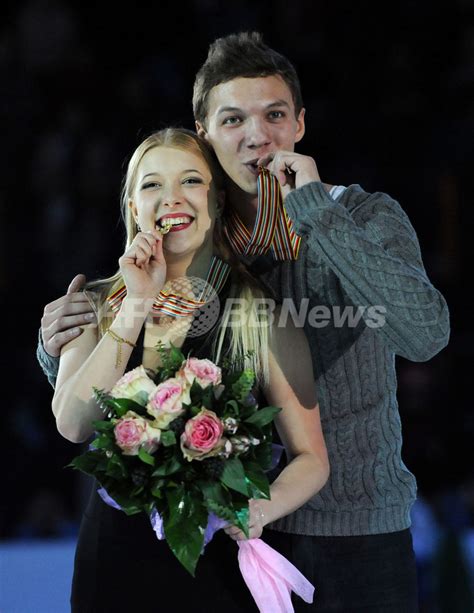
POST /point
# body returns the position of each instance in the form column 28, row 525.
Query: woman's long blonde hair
column 248, row 343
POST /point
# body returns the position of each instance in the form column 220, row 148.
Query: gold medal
column 165, row 229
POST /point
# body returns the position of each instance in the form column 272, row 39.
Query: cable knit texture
column 359, row 267
column 48, row 363
column 359, row 260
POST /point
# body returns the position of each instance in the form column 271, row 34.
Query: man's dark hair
column 241, row 55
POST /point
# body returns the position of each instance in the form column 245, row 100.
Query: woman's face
column 175, row 185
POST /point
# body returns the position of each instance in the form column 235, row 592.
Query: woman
column 173, row 182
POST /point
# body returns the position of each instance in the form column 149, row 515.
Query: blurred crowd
column 390, row 105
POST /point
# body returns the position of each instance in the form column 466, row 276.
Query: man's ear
column 201, row 130
column 300, row 126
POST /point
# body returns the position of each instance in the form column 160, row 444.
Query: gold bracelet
column 120, row 341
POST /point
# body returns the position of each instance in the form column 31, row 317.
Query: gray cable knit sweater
column 360, row 278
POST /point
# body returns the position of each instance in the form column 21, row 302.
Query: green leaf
column 167, row 438
column 103, row 442
column 241, row 516
column 232, row 408
column 184, row 526
column 86, row 462
column 123, row 499
column 168, row 467
column 171, row 361
column 123, row 405
column 157, row 488
column 120, row 406
column 236, row 514
column 231, row 507
column 222, row 511
column 103, row 426
column 129, row 507
column 194, row 410
column 213, row 490
column 262, row 453
column 116, row 468
column 262, row 417
column 207, row 398
column 175, row 357
column 234, row 476
column 257, row 480
column 132, row 510
column 146, row 457
column 103, row 399
column 137, row 491
column 195, row 393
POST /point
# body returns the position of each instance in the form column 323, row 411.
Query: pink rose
column 202, row 436
column 204, row 372
column 135, row 384
column 132, row 432
column 165, row 403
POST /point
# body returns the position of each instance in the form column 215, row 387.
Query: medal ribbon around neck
column 169, row 303
column 273, row 228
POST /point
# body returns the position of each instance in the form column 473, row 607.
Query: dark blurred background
column 388, row 89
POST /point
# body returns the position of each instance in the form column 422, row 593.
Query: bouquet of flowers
column 187, row 444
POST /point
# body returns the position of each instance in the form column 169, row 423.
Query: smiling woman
column 174, row 182
column 172, row 177
column 175, row 187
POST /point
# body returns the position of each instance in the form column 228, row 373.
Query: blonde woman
column 173, row 182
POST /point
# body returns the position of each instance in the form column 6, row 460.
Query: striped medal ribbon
column 273, row 228
column 170, row 303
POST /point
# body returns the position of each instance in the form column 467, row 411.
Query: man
column 358, row 284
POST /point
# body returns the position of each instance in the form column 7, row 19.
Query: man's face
column 247, row 119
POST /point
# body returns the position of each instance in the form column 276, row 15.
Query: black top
column 120, row 565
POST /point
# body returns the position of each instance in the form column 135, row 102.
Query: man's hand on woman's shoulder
column 63, row 317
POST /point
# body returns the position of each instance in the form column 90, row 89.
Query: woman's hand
column 256, row 523
column 143, row 265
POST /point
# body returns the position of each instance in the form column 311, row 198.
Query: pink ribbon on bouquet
column 271, row 578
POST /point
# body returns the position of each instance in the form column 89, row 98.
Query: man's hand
column 62, row 317
column 292, row 169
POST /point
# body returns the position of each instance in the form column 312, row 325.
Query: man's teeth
column 174, row 221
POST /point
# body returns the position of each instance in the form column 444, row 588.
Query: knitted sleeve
column 48, row 363
column 373, row 250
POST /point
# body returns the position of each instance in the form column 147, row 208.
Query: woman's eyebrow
column 192, row 170
column 150, row 174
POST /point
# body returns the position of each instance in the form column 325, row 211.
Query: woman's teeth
column 165, row 225
column 164, row 229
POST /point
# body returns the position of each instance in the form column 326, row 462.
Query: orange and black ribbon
column 169, row 303
column 273, row 228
